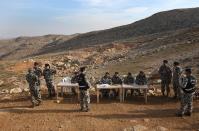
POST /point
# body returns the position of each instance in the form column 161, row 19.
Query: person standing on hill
column 165, row 76
column 188, row 87
column 38, row 72
column 48, row 76
column 32, row 80
column 177, row 70
column 84, row 86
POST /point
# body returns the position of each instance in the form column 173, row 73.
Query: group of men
column 184, row 85
column 33, row 78
column 116, row 79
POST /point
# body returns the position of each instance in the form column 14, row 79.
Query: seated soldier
column 74, row 79
column 115, row 81
column 129, row 80
column 141, row 80
column 106, row 79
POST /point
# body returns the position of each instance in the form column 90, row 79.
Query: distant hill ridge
column 166, row 21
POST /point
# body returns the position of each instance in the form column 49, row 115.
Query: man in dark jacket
column 106, row 79
column 188, row 87
column 84, row 86
column 129, row 80
column 165, row 75
column 116, row 80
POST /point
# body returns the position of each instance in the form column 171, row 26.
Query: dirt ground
column 108, row 115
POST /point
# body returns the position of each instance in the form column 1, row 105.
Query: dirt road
column 110, row 115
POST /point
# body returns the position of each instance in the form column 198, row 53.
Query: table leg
column 145, row 95
column 121, row 99
column 57, row 92
column 62, row 91
column 78, row 94
column 123, row 94
column 97, row 95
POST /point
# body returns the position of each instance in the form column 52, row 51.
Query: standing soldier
column 176, row 76
column 187, row 84
column 32, row 80
column 48, row 76
column 84, row 86
column 165, row 75
column 37, row 72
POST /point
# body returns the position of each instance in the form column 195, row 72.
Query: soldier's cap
column 36, row 63
column 165, row 61
column 176, row 63
column 47, row 65
column 188, row 70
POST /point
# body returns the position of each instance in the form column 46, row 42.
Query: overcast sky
column 41, row 17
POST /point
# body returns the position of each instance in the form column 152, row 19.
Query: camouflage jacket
column 165, row 72
column 32, row 80
column 116, row 80
column 49, row 73
column 106, row 80
column 176, row 73
column 188, row 84
column 129, row 80
column 141, row 80
column 38, row 71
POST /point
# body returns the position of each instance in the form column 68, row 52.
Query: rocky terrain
column 172, row 35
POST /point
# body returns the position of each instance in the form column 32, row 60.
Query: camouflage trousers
column 35, row 96
column 176, row 89
column 84, row 99
column 165, row 86
column 51, row 88
column 186, row 103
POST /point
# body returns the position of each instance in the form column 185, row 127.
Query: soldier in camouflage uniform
column 187, row 84
column 165, row 75
column 129, row 80
column 176, row 76
column 84, row 86
column 140, row 80
column 48, row 76
column 38, row 72
column 116, row 80
column 106, row 79
column 32, row 80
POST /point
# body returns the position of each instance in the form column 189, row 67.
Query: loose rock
column 15, row 90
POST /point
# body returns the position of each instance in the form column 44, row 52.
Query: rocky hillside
column 161, row 22
column 23, row 47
